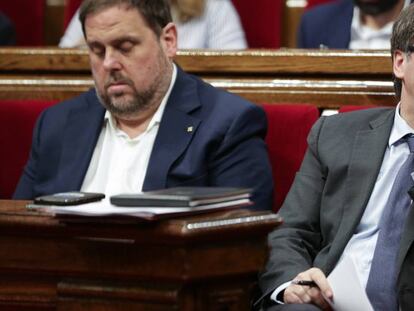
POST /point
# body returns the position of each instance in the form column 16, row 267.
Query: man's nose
column 111, row 61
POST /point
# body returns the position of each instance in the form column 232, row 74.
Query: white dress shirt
column 362, row 244
column 218, row 27
column 364, row 37
column 119, row 163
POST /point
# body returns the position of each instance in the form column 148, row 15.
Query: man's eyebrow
column 115, row 42
column 93, row 43
column 124, row 39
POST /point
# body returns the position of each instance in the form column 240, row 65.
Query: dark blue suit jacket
column 327, row 24
column 7, row 31
column 225, row 148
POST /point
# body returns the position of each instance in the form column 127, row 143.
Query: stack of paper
column 348, row 293
column 157, row 204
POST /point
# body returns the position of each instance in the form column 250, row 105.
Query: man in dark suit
column 7, row 32
column 344, row 24
column 345, row 185
column 147, row 125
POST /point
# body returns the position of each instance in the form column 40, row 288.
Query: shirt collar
column 400, row 128
column 156, row 118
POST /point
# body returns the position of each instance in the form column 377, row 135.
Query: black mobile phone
column 69, row 198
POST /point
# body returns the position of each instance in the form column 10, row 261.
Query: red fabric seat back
column 17, row 117
column 288, row 129
column 70, row 9
column 28, row 17
column 312, row 3
column 262, row 21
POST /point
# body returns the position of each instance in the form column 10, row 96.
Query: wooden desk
column 208, row 262
column 326, row 78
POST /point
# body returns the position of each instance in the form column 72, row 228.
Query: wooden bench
column 325, row 78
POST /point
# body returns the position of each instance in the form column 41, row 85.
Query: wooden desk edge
column 14, row 217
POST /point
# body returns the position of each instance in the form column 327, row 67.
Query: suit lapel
column 79, row 140
column 176, row 131
column 366, row 159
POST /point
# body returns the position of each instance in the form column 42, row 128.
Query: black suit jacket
column 328, row 199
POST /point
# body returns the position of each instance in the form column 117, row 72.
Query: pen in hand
column 304, row 283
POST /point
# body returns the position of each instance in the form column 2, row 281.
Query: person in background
column 201, row 24
column 7, row 31
column 147, row 124
column 352, row 200
column 347, row 24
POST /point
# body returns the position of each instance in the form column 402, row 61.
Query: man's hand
column 310, row 294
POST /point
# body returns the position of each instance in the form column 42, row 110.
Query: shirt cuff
column 279, row 290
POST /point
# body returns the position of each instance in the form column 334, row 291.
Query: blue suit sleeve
column 242, row 159
column 24, row 189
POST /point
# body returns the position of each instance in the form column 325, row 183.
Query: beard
column 128, row 105
column 375, row 8
column 119, row 104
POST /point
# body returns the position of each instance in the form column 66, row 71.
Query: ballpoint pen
column 304, row 283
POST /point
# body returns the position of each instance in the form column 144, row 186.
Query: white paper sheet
column 348, row 293
column 105, row 208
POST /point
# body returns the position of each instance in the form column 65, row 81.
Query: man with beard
column 146, row 125
column 347, row 24
column 351, row 201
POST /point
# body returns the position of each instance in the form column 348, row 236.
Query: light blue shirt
column 361, row 246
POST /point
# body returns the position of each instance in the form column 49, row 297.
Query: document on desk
column 104, row 208
column 348, row 293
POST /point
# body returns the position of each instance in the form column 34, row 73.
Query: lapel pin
column 189, row 129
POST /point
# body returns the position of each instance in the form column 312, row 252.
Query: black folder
column 183, row 197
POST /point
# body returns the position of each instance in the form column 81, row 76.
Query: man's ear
column 398, row 63
column 168, row 39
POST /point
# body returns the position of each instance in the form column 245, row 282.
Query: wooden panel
column 257, row 62
column 54, row 21
column 292, row 13
column 27, row 292
column 190, row 263
column 326, row 78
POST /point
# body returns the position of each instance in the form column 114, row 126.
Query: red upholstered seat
column 312, row 3
column 70, row 9
column 28, row 17
column 288, row 128
column 262, row 21
column 17, row 119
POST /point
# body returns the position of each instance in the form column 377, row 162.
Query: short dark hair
column 402, row 39
column 156, row 13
